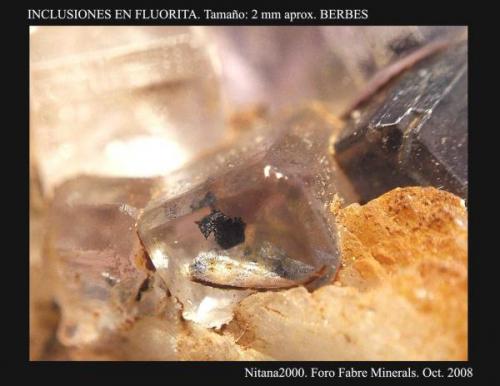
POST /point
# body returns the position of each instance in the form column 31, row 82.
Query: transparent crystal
column 121, row 101
column 99, row 271
column 277, row 189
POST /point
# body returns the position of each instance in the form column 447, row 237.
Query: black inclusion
column 228, row 232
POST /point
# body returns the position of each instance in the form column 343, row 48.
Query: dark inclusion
column 228, row 232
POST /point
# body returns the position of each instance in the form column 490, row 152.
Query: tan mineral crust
column 401, row 294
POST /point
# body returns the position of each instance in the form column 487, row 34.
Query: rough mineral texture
column 401, row 294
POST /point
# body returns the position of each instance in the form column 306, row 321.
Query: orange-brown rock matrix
column 401, row 293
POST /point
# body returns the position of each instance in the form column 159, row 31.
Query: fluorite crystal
column 121, row 101
column 100, row 274
column 253, row 217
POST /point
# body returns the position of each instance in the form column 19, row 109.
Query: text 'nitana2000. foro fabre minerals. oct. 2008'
column 248, row 193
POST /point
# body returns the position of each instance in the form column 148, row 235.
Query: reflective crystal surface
column 100, row 274
column 253, row 217
column 413, row 131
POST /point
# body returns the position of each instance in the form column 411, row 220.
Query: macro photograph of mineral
column 248, row 193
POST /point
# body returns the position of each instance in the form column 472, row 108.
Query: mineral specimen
column 98, row 267
column 121, row 101
column 413, row 131
column 283, row 66
column 267, row 203
column 401, row 293
column 245, row 253
column 227, row 231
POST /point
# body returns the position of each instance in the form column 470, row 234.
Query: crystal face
column 413, row 131
column 128, row 102
column 100, row 272
column 283, row 239
column 253, row 217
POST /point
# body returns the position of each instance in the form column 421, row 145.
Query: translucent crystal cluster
column 188, row 180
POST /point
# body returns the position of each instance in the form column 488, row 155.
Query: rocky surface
column 400, row 295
